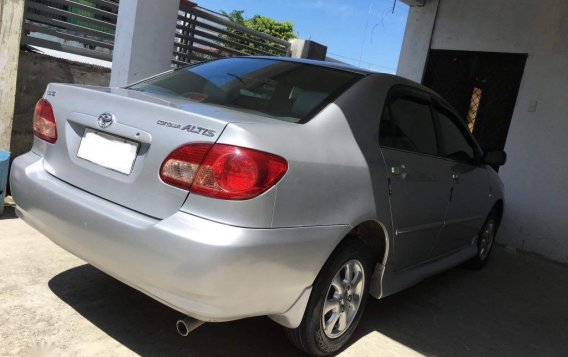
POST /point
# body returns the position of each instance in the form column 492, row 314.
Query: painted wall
column 144, row 39
column 536, row 174
column 416, row 41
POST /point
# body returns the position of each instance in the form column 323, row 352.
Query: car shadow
column 509, row 308
column 147, row 327
column 514, row 306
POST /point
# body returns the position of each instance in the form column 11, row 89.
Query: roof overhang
column 414, row 2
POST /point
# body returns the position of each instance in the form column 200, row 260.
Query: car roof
column 334, row 65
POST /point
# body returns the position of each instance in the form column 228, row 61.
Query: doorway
column 481, row 86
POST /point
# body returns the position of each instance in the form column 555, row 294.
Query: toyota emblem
column 105, row 120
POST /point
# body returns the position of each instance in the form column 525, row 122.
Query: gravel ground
column 51, row 300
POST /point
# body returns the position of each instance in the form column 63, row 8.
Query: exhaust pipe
column 187, row 324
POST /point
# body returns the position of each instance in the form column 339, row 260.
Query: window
column 456, row 145
column 408, row 125
column 277, row 89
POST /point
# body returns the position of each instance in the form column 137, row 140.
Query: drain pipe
column 187, row 324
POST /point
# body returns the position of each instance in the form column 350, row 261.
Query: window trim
column 419, row 95
column 439, row 105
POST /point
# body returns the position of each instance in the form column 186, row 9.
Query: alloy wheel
column 343, row 299
column 487, row 239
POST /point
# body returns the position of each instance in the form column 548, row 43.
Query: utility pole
column 11, row 16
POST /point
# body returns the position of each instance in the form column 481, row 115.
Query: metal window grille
column 481, row 86
column 202, row 35
column 87, row 27
column 83, row 27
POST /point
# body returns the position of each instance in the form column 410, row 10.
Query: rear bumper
column 208, row 270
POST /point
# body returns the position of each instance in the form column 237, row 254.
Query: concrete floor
column 517, row 306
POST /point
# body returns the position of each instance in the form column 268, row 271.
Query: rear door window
column 407, row 124
column 284, row 90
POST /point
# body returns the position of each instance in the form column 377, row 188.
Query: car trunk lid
column 146, row 128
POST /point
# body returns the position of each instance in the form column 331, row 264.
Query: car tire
column 485, row 242
column 343, row 296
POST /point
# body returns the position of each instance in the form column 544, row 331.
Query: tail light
column 222, row 171
column 45, row 126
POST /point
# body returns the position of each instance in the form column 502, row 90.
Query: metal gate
column 202, row 35
column 87, row 27
column 481, row 86
column 83, row 27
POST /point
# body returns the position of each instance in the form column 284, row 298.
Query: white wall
column 416, row 41
column 536, row 174
column 144, row 39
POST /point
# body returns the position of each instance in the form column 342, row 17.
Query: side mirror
column 495, row 158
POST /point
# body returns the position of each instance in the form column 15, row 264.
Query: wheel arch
column 498, row 208
column 374, row 235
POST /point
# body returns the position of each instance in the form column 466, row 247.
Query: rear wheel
column 337, row 301
column 485, row 242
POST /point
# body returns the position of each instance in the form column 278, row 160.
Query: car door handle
column 399, row 171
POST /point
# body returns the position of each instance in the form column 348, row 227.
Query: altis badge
column 189, row 128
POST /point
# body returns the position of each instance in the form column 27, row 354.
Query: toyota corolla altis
column 261, row 186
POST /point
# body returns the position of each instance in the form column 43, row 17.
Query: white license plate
column 109, row 151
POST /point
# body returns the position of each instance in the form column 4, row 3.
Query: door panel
column 470, row 189
column 420, row 186
column 465, row 213
column 419, row 179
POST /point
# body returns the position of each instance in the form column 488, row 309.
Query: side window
column 408, row 125
column 456, row 146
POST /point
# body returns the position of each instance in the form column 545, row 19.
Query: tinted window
column 280, row 89
column 408, row 125
column 456, row 146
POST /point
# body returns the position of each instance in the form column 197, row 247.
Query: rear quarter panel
column 336, row 172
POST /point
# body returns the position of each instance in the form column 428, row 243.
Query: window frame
column 438, row 104
column 418, row 95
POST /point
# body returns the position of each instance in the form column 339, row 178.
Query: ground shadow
column 148, row 328
column 516, row 306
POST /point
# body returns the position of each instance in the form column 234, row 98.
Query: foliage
column 283, row 30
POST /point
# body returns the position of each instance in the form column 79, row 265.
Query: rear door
column 419, row 179
column 469, row 194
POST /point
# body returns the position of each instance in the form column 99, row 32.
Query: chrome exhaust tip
column 187, row 324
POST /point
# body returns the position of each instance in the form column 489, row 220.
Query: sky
column 365, row 33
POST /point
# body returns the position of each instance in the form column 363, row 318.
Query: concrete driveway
column 517, row 306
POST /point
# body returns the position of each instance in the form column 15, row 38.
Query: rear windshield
column 282, row 90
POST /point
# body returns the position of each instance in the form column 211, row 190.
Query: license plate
column 112, row 152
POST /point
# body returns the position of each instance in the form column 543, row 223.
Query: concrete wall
column 416, row 41
column 536, row 173
column 144, row 39
column 35, row 71
column 11, row 15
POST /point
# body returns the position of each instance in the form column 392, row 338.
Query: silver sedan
column 261, row 186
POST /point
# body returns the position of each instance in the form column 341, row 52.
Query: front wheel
column 337, row 301
column 485, row 242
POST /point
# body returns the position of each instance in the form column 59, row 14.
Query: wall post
column 144, row 39
column 11, row 16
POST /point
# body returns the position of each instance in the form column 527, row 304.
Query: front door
column 469, row 194
column 419, row 180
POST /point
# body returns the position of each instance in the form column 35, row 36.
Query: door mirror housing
column 495, row 158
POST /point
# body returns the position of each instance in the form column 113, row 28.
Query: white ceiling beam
column 414, row 2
